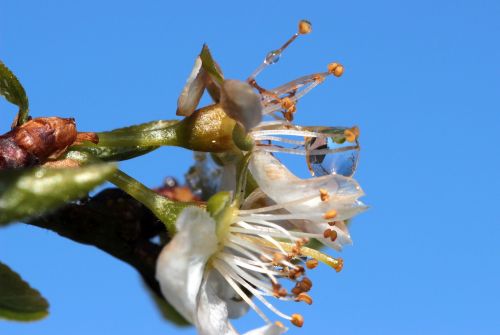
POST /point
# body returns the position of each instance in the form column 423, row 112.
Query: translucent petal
column 181, row 264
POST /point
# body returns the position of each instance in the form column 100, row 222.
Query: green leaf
column 18, row 300
column 28, row 192
column 13, row 91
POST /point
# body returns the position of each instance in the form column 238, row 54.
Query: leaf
column 18, row 300
column 28, row 192
column 13, row 91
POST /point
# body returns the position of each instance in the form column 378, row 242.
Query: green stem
column 166, row 210
column 157, row 137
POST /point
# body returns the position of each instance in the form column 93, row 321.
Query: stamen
column 305, row 27
column 324, row 194
column 274, row 56
column 333, row 235
column 330, row 214
column 312, row 263
column 336, row 69
column 297, row 320
column 304, row 297
column 258, row 296
column 351, row 134
column 306, row 284
column 327, row 233
column 240, row 292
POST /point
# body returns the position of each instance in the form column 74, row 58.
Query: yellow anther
column 332, row 213
column 279, row 324
column 336, row 69
column 323, row 194
column 339, row 264
column 350, row 135
column 297, row 320
column 355, row 130
column 312, row 263
column 305, row 27
column 304, row 297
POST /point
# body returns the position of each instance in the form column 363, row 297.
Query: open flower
column 216, row 263
column 316, row 205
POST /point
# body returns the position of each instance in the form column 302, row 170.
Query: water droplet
column 272, row 57
column 341, row 156
column 204, row 177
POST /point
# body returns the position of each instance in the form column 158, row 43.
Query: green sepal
column 210, row 66
column 13, row 91
column 18, row 300
column 28, row 192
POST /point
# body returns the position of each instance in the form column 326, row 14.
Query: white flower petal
column 282, row 186
column 181, row 264
column 272, row 329
column 211, row 314
column 241, row 103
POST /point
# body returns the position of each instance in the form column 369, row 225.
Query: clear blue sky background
column 422, row 81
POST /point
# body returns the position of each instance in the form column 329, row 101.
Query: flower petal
column 241, row 103
column 211, row 313
column 282, row 186
column 272, row 329
column 181, row 264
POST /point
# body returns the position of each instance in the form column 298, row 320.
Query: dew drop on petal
column 326, row 155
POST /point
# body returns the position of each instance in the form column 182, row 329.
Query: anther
column 304, row 297
column 333, row 235
column 296, row 290
column 330, row 214
column 282, row 292
column 312, row 263
column 336, row 69
column 306, row 283
column 332, row 223
column 323, row 194
column 339, row 265
column 297, row 320
column 305, row 27
column 327, row 233
column 279, row 324
column 350, row 135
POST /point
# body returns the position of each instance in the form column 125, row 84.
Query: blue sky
column 422, row 82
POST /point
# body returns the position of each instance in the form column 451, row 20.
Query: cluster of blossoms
column 251, row 244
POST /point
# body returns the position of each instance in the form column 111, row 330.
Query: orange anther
column 297, row 320
column 330, row 214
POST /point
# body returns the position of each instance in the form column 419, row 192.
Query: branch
column 115, row 223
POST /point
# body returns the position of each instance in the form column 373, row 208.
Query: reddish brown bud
column 37, row 141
